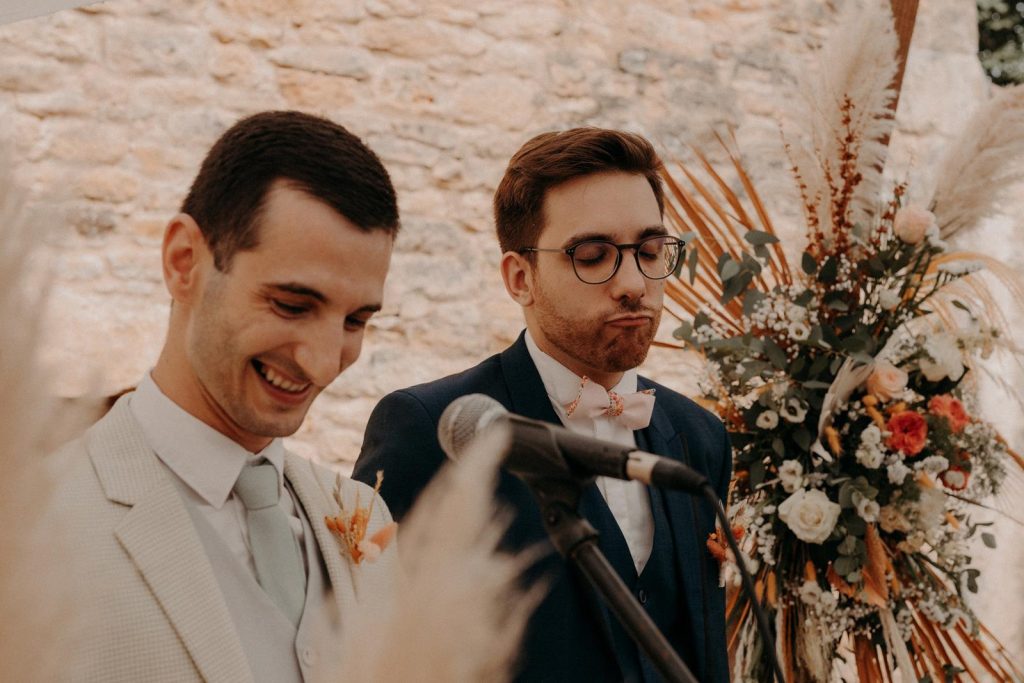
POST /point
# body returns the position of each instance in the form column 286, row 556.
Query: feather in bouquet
column 847, row 382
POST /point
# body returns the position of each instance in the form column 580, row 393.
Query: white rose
column 888, row 299
column 769, row 419
column 791, row 474
column 944, row 358
column 810, row 515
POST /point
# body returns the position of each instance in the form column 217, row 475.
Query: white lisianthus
column 944, row 358
column 794, row 410
column 810, row 515
column 871, row 436
column 868, row 509
column 769, row 419
column 888, row 299
column 810, row 592
column 870, row 456
column 799, row 331
column 934, row 464
column 791, row 474
column 897, row 472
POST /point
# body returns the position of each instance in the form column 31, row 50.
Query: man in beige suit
column 204, row 538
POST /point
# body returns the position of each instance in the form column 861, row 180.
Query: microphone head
column 463, row 419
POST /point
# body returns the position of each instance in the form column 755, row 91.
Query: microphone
column 539, row 449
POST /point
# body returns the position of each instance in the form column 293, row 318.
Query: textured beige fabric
column 160, row 615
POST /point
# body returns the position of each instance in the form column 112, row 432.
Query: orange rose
column 907, row 432
column 950, row 408
column 886, row 381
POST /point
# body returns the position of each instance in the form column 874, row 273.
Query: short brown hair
column 551, row 159
column 315, row 155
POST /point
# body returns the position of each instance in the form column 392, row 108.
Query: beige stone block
column 108, row 184
column 150, row 47
column 315, row 91
column 531, row 21
column 336, row 61
column 501, row 100
column 161, row 160
column 71, row 102
column 90, row 219
column 233, row 63
column 87, row 142
column 421, row 39
column 23, row 74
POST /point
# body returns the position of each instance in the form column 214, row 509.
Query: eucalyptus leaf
column 809, row 265
column 759, row 237
column 988, row 539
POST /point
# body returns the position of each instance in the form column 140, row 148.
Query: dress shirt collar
column 562, row 384
column 203, row 458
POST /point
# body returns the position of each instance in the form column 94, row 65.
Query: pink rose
column 911, row 224
column 886, row 381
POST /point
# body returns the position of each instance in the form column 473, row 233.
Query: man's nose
column 628, row 282
column 319, row 354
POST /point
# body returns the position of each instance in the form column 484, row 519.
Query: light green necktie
column 275, row 551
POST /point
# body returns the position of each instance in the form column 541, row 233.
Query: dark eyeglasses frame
column 635, row 246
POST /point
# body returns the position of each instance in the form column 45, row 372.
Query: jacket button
column 308, row 656
column 642, row 595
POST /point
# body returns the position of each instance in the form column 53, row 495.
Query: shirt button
column 642, row 595
column 308, row 656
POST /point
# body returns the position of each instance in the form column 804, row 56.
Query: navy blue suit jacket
column 568, row 637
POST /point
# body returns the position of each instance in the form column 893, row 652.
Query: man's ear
column 518, row 274
column 184, row 253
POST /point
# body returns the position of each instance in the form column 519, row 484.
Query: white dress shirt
column 628, row 501
column 207, row 464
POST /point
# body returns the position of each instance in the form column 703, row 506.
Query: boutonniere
column 350, row 526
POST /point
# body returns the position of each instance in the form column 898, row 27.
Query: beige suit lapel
column 159, row 537
column 313, row 486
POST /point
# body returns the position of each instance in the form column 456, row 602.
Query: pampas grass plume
column 33, row 597
column 456, row 612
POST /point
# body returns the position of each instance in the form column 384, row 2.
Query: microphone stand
column 559, row 493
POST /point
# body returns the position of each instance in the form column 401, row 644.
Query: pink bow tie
column 632, row 411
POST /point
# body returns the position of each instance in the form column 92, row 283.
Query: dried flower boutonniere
column 350, row 528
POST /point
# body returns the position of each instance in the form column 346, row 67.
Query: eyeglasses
column 597, row 261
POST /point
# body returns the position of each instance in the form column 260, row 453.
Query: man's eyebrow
column 649, row 231
column 295, row 288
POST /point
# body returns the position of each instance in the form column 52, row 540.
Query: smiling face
column 597, row 330
column 249, row 349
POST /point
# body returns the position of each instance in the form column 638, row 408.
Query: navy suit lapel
column 662, row 438
column 529, row 398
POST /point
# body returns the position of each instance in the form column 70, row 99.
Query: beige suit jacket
column 158, row 613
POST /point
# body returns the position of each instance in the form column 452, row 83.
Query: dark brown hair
column 551, row 159
column 313, row 154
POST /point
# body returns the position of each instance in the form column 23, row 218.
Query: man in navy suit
column 585, row 253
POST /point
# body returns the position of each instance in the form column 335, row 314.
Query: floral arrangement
column 848, row 383
column 350, row 527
